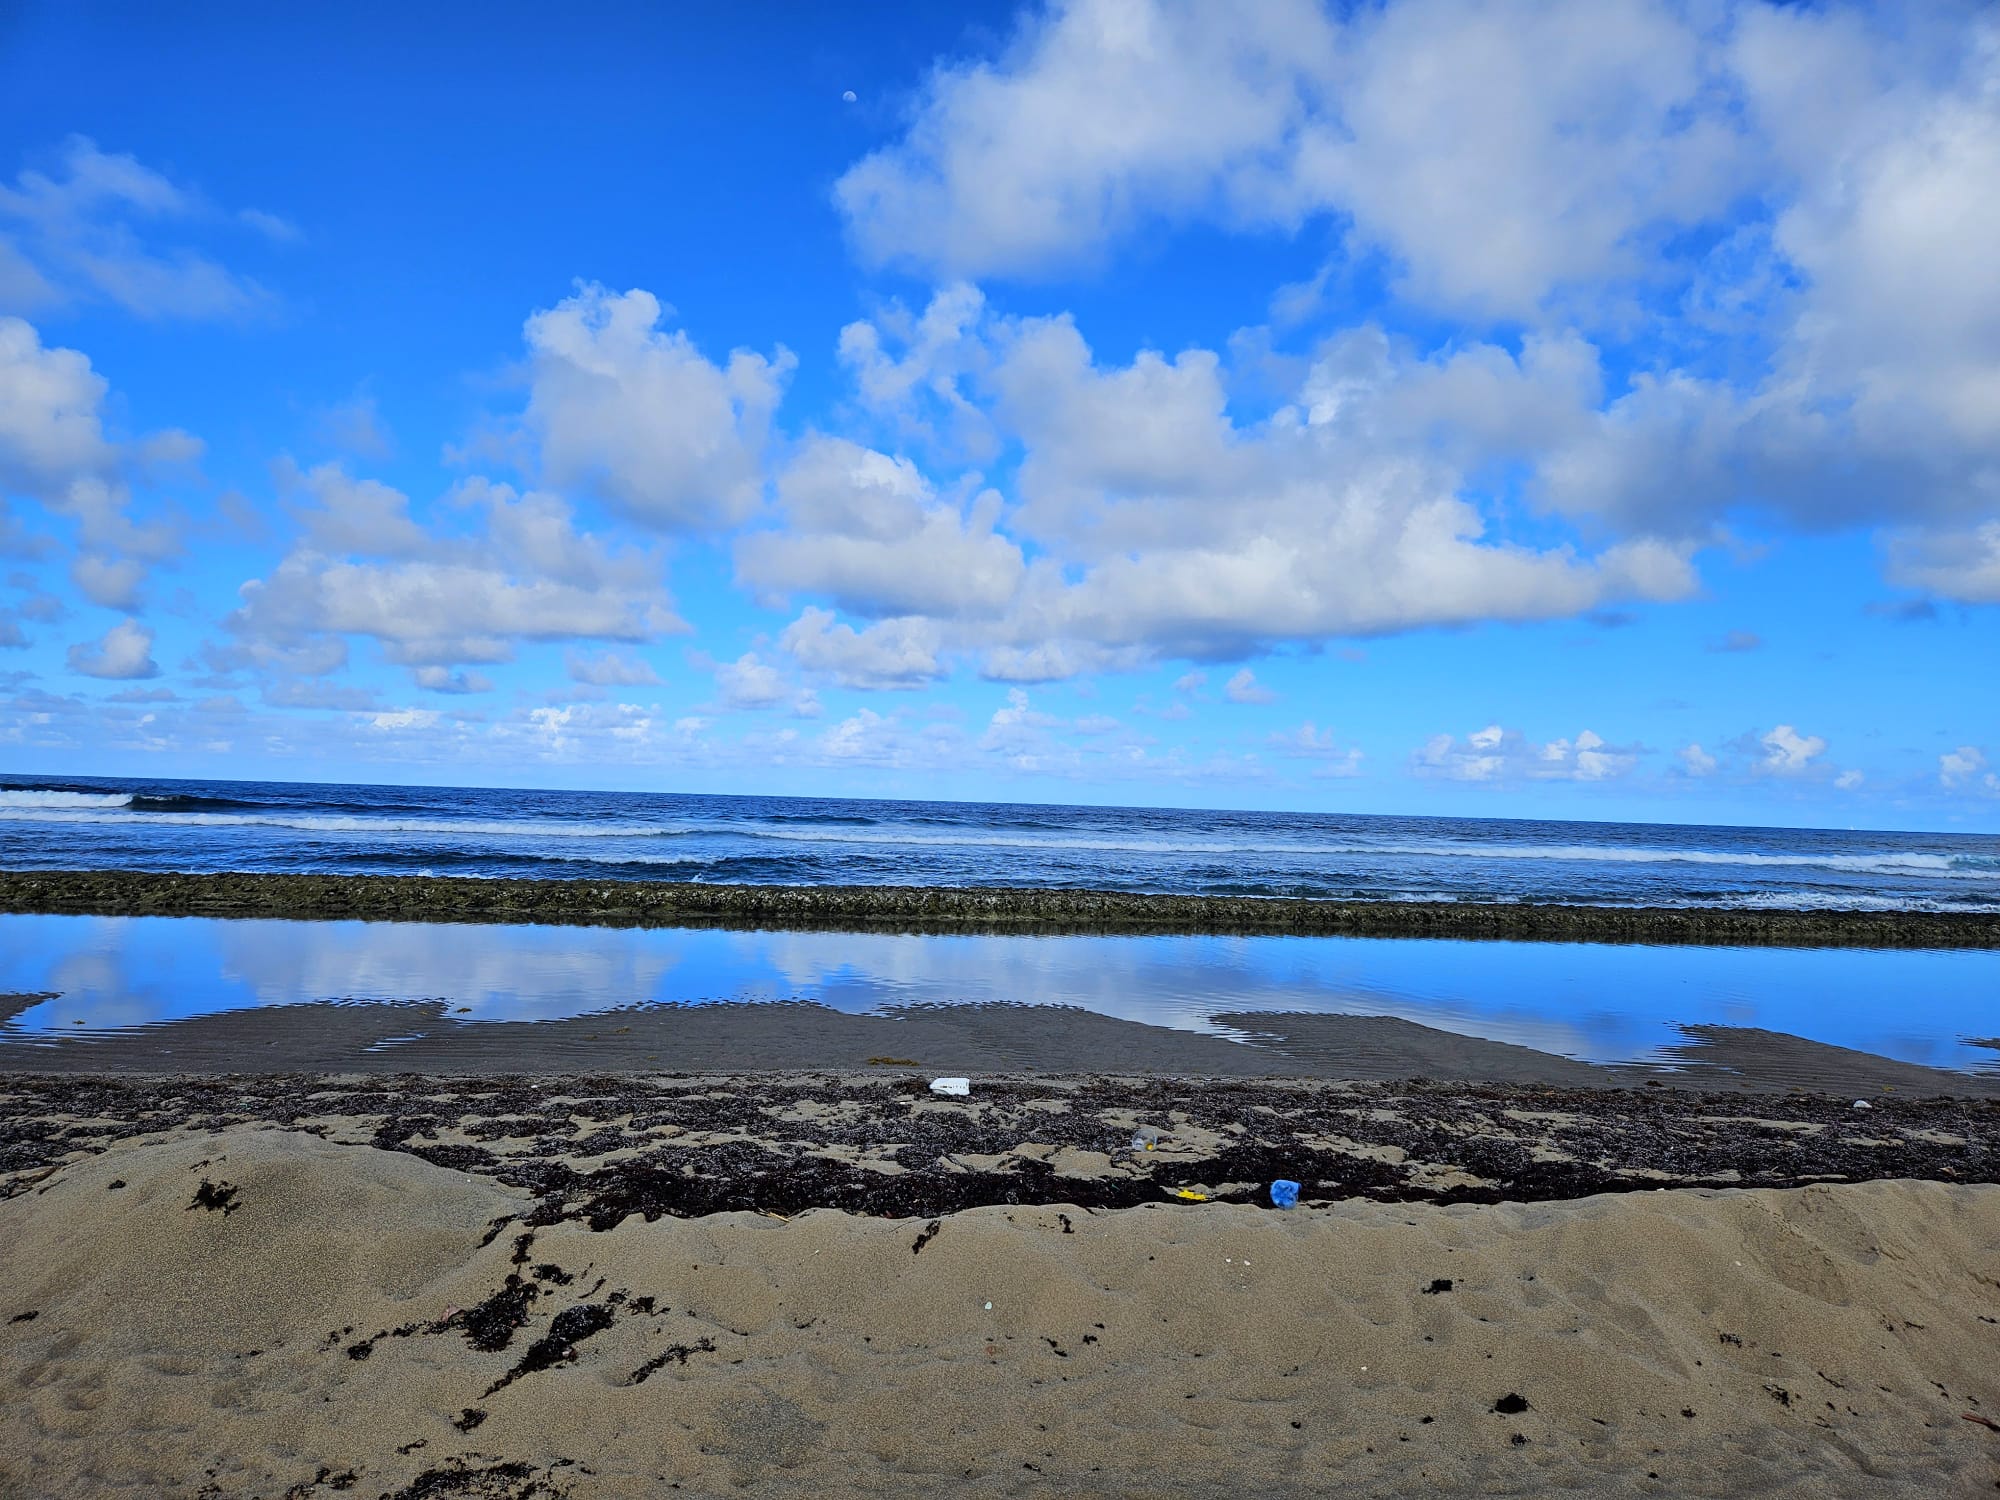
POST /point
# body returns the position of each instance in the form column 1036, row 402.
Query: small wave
column 149, row 802
column 37, row 799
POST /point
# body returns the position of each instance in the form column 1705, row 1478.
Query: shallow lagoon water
column 1594, row 1002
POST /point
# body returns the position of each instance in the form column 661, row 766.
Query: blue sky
column 1587, row 410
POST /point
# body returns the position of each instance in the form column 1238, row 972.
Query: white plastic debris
column 1858, row 1103
column 959, row 1087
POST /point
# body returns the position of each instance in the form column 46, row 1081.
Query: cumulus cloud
column 914, row 370
column 1190, row 534
column 868, row 532
column 1787, row 752
column 1496, row 155
column 898, row 653
column 1542, row 167
column 1961, row 768
column 634, row 412
column 55, row 451
column 80, row 232
column 1244, row 687
column 751, row 682
column 1149, row 522
column 432, row 598
column 114, row 582
column 1696, row 761
column 124, row 654
column 1497, row 755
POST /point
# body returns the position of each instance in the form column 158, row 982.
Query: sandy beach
column 624, row 1285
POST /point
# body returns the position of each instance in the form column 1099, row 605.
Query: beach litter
column 957, row 1087
column 1862, row 1104
column 1188, row 1195
column 1284, row 1193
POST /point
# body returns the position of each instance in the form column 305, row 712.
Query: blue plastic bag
column 1284, row 1193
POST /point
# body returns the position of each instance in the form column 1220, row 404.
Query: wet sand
column 230, row 1310
column 426, row 898
column 432, row 1037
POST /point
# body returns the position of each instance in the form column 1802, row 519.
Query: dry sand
column 247, row 1311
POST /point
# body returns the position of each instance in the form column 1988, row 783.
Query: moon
column 848, row 96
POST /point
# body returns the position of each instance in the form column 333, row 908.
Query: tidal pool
column 1593, row 1002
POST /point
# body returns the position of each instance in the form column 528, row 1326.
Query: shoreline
column 592, row 1149
column 939, row 910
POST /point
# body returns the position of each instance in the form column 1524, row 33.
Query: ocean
column 97, row 823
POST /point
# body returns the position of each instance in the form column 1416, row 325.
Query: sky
column 1586, row 409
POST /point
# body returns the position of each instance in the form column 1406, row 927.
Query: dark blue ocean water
column 229, row 825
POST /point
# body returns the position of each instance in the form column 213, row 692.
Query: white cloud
column 1498, row 155
column 114, row 583
column 1881, row 400
column 1498, row 755
column 868, row 533
column 124, row 654
column 1244, row 687
column 636, row 413
column 900, row 653
column 610, row 669
column 51, row 427
column 394, row 721
column 1166, row 528
column 1539, row 166
column 1186, row 533
column 1310, row 742
column 362, row 517
column 750, row 682
column 1098, row 114
column 1697, row 761
column 922, row 387
column 75, row 234
column 451, row 680
column 866, row 737
column 1788, row 752
column 355, row 427
column 1961, row 767
column 433, row 599
column 1961, row 565
column 435, row 613
column 54, row 450
column 1847, row 781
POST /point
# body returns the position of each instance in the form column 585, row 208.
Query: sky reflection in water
column 1596, row 1002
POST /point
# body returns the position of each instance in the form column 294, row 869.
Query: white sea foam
column 28, row 798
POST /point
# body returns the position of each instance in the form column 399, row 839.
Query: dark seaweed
column 677, row 1354
column 558, row 1346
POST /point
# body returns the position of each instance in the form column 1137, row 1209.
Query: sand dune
column 256, row 1312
